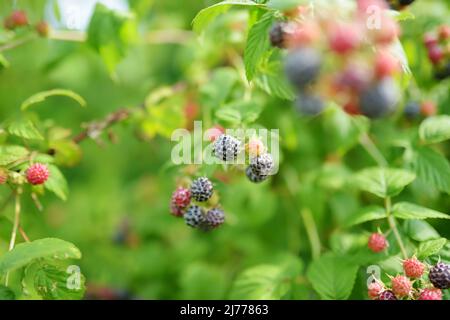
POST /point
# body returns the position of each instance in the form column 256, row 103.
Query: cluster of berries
column 411, row 285
column 36, row 174
column 399, row 4
column 438, row 46
column 334, row 58
column 413, row 109
column 19, row 18
column 195, row 216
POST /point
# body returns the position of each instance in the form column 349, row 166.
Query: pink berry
column 428, row 108
column 431, row 294
column 401, row 286
column 413, row 268
column 344, row 38
column 377, row 242
column 37, row 174
column 181, row 198
column 436, row 54
column 385, row 64
column 19, row 18
column 444, row 32
column 214, row 132
column 374, row 289
column 255, row 147
column 430, row 40
column 387, row 32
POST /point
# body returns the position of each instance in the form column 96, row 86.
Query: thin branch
column 12, row 242
column 23, row 234
column 393, row 225
column 372, row 150
column 17, row 43
column 311, row 230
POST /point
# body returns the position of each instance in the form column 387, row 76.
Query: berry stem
column 393, row 225
column 372, row 150
column 17, row 43
column 12, row 242
column 311, row 230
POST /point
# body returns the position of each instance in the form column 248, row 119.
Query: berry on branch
column 413, row 268
column 377, row 242
column 401, row 286
column 309, row 104
column 262, row 165
column 194, row 216
column 254, row 177
column 37, row 174
column 201, row 189
column 181, row 198
column 431, row 294
column 387, row 295
column 380, row 99
column 374, row 289
column 226, row 147
column 302, row 67
column 214, row 218
column 440, row 275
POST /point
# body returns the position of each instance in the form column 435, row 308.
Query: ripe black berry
column 412, row 109
column 262, row 165
column 201, row 189
column 254, row 177
column 194, row 216
column 277, row 35
column 213, row 219
column 302, row 67
column 309, row 104
column 380, row 99
column 387, row 295
column 226, row 147
column 440, row 276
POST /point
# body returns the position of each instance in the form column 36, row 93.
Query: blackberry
column 277, row 35
column 226, row 147
column 201, row 189
column 309, row 105
column 440, row 276
column 254, row 177
column 213, row 219
column 387, row 295
column 262, row 165
column 302, row 67
column 380, row 99
column 194, row 216
column 412, row 110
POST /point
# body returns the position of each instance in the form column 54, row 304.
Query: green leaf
column 433, row 168
column 205, row 16
column 24, row 128
column 406, row 210
column 272, row 80
column 57, row 183
column 110, row 33
column 67, row 152
column 420, row 230
column 6, row 293
column 283, row 5
column 257, row 44
column 384, row 182
column 430, row 247
column 332, row 276
column 215, row 92
column 10, row 154
column 367, row 214
column 25, row 253
column 4, row 63
column 435, row 129
column 229, row 115
column 55, row 283
column 263, row 282
column 41, row 96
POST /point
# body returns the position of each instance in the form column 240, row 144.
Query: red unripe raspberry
column 401, row 286
column 377, row 242
column 42, row 28
column 388, row 31
column 344, row 38
column 255, row 147
column 374, row 289
column 430, row 40
column 385, row 64
column 444, row 32
column 435, row 54
column 364, row 5
column 413, row 268
column 303, row 35
column 352, row 108
column 37, row 174
column 19, row 18
column 431, row 294
column 428, row 108
column 3, row 176
column 214, row 132
column 181, row 198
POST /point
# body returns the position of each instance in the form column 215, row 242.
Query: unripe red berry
column 19, row 17
column 343, row 38
column 388, row 31
column 385, row 64
column 413, row 268
column 214, row 132
column 374, row 289
column 430, row 40
column 255, row 147
column 377, row 242
column 428, row 108
column 444, row 32
column 401, row 286
column 3, row 176
column 42, row 28
column 37, row 174
column 435, row 54
column 181, row 198
column 431, row 294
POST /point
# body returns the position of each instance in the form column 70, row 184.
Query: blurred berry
column 42, row 28
column 385, row 64
column 255, row 147
column 380, row 99
column 343, row 38
column 309, row 104
column 436, row 54
column 377, row 242
column 37, row 174
column 277, row 35
column 444, row 32
column 442, row 72
column 412, row 109
column 302, row 67
column 428, row 108
column 213, row 219
column 3, row 176
column 430, row 40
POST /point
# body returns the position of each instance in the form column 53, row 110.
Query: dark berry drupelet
column 302, row 67
column 194, row 216
column 201, row 189
column 226, row 147
column 412, row 109
column 309, row 104
column 213, row 219
column 254, row 177
column 440, row 275
column 262, row 165
column 380, row 99
column 387, row 295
